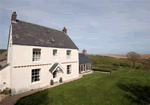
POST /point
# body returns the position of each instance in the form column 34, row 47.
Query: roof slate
column 24, row 33
column 83, row 59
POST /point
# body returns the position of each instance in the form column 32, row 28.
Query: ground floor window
column 68, row 69
column 35, row 75
column 85, row 67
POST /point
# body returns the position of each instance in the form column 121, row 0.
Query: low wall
column 5, row 76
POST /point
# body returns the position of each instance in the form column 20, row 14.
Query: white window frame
column 68, row 54
column 69, row 69
column 34, row 75
column 36, row 57
column 55, row 52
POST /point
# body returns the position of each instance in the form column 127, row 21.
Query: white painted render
column 22, row 55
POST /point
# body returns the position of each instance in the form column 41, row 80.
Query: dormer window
column 68, row 54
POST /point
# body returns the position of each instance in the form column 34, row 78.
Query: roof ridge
column 40, row 25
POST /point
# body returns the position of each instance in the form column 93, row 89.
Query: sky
column 99, row 26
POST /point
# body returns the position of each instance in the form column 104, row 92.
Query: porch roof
column 53, row 68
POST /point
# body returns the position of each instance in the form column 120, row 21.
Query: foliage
column 102, row 70
column 0, row 66
column 60, row 80
column 122, row 64
column 6, row 91
column 115, row 64
column 52, row 82
column 147, row 67
column 133, row 57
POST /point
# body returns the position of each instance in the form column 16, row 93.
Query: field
column 143, row 56
column 123, row 87
column 105, row 62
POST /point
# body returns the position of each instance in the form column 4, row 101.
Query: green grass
column 123, row 87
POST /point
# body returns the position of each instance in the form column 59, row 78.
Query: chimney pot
column 64, row 30
column 84, row 51
column 14, row 16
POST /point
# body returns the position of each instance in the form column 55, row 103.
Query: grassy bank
column 124, row 87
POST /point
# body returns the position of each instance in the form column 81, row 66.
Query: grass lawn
column 123, row 87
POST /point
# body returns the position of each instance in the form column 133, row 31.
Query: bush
column 60, row 80
column 6, row 91
column 0, row 66
column 115, row 64
column 147, row 67
column 122, row 64
column 52, row 82
column 102, row 70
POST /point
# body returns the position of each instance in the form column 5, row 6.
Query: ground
column 122, row 87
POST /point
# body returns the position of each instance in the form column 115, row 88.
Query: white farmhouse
column 37, row 55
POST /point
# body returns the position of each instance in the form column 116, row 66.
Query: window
column 68, row 54
column 68, row 69
column 36, row 54
column 35, row 75
column 55, row 54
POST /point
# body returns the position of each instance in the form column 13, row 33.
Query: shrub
column 60, row 80
column 147, row 67
column 52, row 82
column 6, row 91
column 0, row 66
column 137, row 67
column 122, row 64
column 115, row 64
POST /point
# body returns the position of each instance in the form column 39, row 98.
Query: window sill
column 33, row 83
column 36, row 61
column 55, row 59
column 69, row 74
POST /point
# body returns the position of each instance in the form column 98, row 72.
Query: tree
column 133, row 57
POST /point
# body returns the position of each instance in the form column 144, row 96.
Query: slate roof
column 24, row 33
column 83, row 59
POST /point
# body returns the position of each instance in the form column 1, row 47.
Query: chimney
column 14, row 16
column 64, row 30
column 84, row 52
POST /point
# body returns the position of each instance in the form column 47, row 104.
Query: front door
column 55, row 76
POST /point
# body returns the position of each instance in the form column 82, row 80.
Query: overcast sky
column 99, row 26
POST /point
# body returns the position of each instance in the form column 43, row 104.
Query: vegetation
column 124, row 87
column 6, row 91
column 109, row 62
column 52, row 82
column 133, row 57
column 60, row 80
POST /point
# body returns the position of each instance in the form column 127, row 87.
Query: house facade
column 36, row 55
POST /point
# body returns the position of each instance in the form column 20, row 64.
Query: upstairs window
column 68, row 54
column 36, row 54
column 55, row 54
